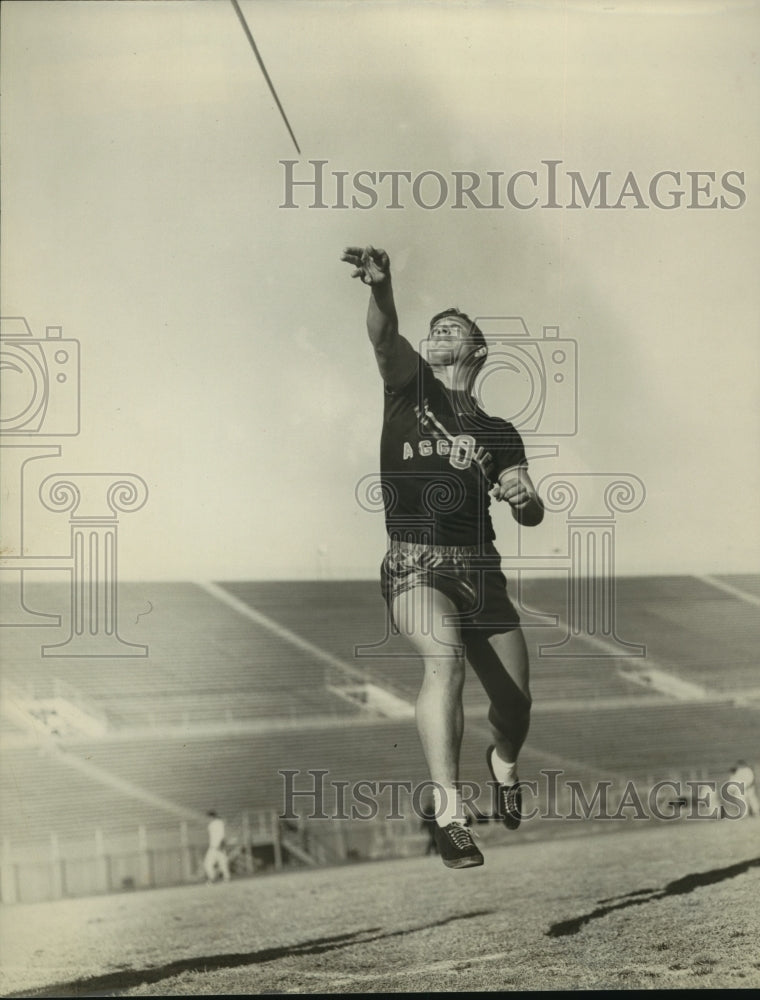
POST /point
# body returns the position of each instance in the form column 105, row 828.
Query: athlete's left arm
column 516, row 487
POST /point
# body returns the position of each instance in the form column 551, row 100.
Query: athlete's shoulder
column 491, row 423
column 420, row 378
column 504, row 441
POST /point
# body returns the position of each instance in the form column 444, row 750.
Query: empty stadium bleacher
column 226, row 700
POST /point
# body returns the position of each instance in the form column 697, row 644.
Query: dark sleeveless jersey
column 439, row 456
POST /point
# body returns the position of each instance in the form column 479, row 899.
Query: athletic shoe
column 456, row 846
column 508, row 798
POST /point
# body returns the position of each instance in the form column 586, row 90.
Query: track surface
column 669, row 908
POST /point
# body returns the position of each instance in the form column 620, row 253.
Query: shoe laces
column 460, row 835
column 511, row 796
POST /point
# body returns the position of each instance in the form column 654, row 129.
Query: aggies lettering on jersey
column 440, row 454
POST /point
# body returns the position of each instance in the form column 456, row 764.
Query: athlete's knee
column 444, row 668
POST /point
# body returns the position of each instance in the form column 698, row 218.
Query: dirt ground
column 671, row 908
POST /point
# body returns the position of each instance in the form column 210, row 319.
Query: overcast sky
column 223, row 350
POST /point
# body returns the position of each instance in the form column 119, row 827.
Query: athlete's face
column 446, row 341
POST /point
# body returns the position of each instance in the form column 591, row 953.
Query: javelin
column 249, row 36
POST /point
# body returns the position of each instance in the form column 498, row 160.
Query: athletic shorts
column 469, row 575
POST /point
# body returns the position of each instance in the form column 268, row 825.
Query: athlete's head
column 455, row 338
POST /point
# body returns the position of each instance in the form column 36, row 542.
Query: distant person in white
column 216, row 855
column 744, row 776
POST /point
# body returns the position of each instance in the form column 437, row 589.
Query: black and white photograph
column 380, row 559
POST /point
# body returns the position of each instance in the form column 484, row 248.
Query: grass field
column 671, row 908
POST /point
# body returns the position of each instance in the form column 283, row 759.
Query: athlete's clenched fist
column 514, row 490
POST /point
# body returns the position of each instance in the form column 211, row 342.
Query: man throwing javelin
column 442, row 461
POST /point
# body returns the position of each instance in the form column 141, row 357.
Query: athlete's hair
column 474, row 333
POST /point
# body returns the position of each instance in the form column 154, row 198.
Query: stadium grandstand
column 250, row 689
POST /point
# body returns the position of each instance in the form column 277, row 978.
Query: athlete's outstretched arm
column 395, row 356
column 516, row 487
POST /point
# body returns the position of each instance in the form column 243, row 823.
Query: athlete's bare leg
column 501, row 663
column 420, row 615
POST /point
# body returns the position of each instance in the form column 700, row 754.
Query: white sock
column 506, row 773
column 448, row 805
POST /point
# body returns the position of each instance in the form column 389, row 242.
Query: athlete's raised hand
column 372, row 266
